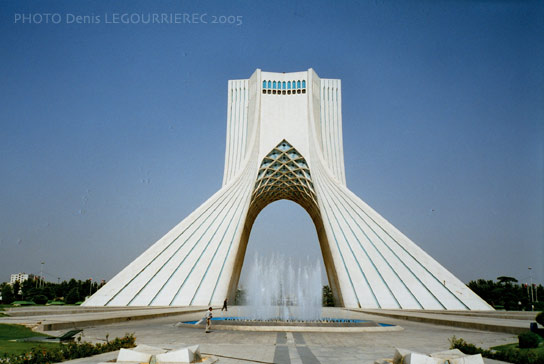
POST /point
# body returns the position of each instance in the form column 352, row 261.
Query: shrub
column 40, row 299
column 512, row 355
column 72, row 350
column 540, row 318
column 469, row 349
column 528, row 340
column 328, row 298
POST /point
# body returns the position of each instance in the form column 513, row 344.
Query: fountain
column 279, row 289
column 284, row 295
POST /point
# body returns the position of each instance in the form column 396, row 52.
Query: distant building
column 20, row 277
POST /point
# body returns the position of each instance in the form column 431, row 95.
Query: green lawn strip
column 11, row 332
column 514, row 346
column 8, row 347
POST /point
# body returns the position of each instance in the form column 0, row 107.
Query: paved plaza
column 282, row 347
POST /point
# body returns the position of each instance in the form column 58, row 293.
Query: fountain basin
column 325, row 325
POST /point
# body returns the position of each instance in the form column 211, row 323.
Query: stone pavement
column 288, row 347
column 497, row 321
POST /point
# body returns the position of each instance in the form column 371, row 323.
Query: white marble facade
column 284, row 141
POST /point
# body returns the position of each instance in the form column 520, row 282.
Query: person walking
column 225, row 304
column 209, row 316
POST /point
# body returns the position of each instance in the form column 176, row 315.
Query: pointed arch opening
column 284, row 174
column 283, row 229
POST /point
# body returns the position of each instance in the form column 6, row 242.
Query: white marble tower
column 284, row 141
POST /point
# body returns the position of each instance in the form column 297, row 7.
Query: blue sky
column 112, row 133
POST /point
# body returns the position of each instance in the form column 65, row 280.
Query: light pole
column 41, row 274
column 531, row 279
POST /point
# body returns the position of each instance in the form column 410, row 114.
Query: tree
column 61, row 290
column 328, row 298
column 72, row 296
column 48, row 292
column 32, row 293
column 7, row 294
column 26, row 287
column 504, row 294
column 506, row 280
column 85, row 287
column 72, row 283
column 16, row 290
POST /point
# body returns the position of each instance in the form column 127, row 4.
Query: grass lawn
column 514, row 346
column 10, row 332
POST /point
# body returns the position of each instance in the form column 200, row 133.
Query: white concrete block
column 458, row 357
column 398, row 358
column 196, row 352
column 417, row 358
column 153, row 350
column 128, row 355
column 176, row 356
column 448, row 354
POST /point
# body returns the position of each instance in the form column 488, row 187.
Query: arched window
column 298, row 84
column 283, row 85
column 288, row 85
column 264, row 84
column 303, row 84
column 269, row 84
column 274, row 85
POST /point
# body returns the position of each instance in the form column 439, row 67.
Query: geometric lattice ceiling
column 284, row 174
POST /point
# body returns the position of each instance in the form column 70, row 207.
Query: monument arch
column 284, row 141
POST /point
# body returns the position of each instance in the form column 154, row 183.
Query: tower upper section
column 299, row 107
